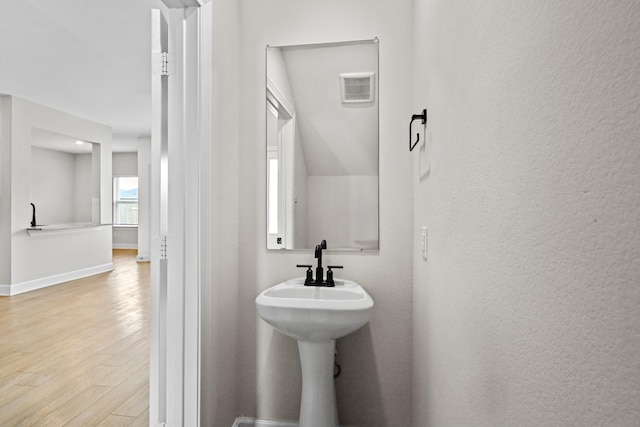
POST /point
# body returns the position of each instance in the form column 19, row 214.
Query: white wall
column 84, row 187
column 5, row 190
column 61, row 186
column 125, row 237
column 278, row 74
column 301, row 192
column 526, row 313
column 222, row 341
column 53, row 184
column 374, row 388
column 38, row 259
column 125, row 164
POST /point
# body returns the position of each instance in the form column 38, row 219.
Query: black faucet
column 319, row 280
column 318, row 256
column 33, row 216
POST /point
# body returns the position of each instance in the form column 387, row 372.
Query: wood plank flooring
column 77, row 354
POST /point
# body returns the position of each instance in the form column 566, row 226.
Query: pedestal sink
column 316, row 316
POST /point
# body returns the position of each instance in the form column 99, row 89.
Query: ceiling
column 58, row 142
column 87, row 58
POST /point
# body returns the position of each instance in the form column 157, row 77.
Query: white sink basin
column 315, row 313
column 316, row 316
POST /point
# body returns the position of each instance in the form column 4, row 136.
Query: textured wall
column 526, row 312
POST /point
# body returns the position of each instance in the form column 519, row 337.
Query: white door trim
column 180, row 212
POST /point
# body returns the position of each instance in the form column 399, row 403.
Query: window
column 125, row 200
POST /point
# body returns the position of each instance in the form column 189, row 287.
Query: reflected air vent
column 357, row 87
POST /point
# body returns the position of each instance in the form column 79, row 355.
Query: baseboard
column 143, row 258
column 243, row 422
column 125, row 246
column 252, row 422
column 32, row 285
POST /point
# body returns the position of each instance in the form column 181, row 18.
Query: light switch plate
column 425, row 240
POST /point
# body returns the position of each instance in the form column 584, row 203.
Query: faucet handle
column 330, row 281
column 309, row 277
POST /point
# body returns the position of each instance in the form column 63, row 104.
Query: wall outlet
column 425, row 242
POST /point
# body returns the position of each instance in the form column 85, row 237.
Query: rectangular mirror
column 322, row 146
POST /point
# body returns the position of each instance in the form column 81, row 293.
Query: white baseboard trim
column 125, row 246
column 252, row 422
column 32, row 285
column 243, row 421
column 143, row 258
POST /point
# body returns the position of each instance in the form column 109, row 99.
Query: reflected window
column 272, row 213
column 125, row 200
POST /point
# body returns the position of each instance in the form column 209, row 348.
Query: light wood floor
column 77, row 354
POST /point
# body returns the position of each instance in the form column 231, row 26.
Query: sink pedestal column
column 318, row 404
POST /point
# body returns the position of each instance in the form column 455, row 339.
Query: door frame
column 286, row 145
column 180, row 212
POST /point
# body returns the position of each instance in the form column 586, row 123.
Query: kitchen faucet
column 33, row 216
